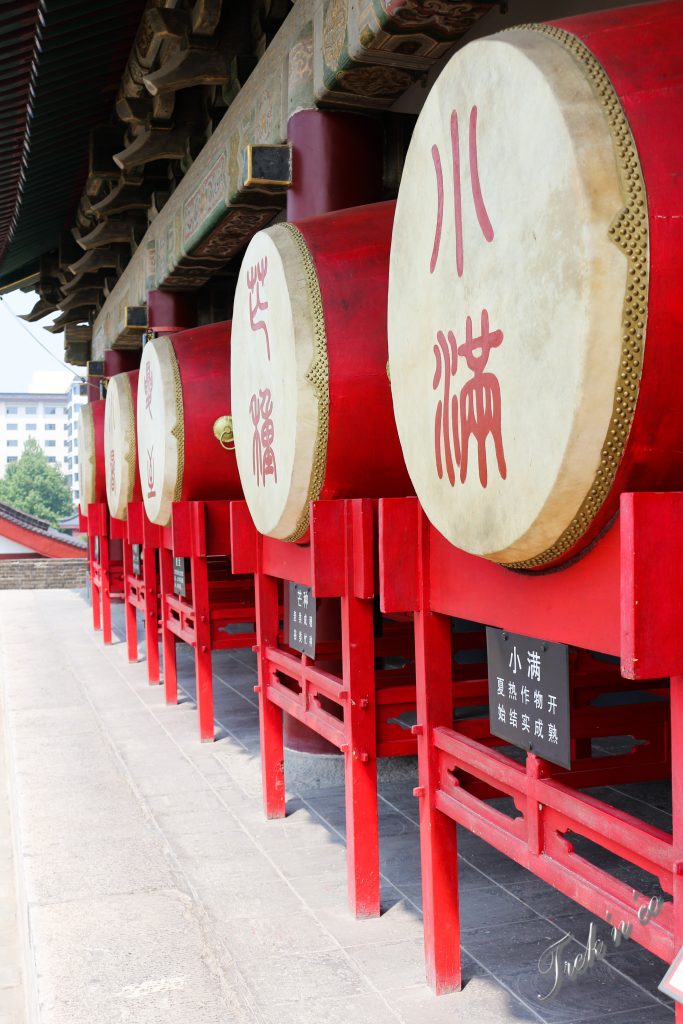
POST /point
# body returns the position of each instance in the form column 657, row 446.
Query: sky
column 24, row 366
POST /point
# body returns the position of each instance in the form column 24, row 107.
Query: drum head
column 279, row 396
column 87, row 457
column 508, row 303
column 160, row 430
column 120, row 456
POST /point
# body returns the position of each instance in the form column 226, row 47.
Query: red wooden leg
column 106, row 589
column 94, row 589
column 168, row 640
column 438, row 840
column 677, row 814
column 151, row 589
column 270, row 715
column 131, row 617
column 360, row 758
column 202, row 653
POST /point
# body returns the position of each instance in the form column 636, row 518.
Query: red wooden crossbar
column 106, row 570
column 217, row 598
column 622, row 598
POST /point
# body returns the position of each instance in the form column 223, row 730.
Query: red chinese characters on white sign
column 476, row 411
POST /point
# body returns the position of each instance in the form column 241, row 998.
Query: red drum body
column 311, row 398
column 185, row 449
column 535, row 283
column 91, row 454
column 120, row 443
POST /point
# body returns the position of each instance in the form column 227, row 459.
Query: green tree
column 33, row 485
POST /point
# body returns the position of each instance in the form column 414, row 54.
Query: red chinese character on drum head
column 477, row 197
column 263, row 456
column 256, row 277
column 480, row 400
column 149, row 384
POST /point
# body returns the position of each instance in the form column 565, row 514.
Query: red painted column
column 95, row 590
column 360, row 756
column 337, row 162
column 106, row 584
column 168, row 312
column 150, row 578
column 270, row 715
column 131, row 614
column 168, row 640
column 677, row 814
column 202, row 652
column 438, row 838
column 121, row 361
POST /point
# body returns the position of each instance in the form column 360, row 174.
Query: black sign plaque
column 529, row 694
column 137, row 559
column 180, row 576
column 301, row 619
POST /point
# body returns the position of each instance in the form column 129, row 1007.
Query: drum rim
column 630, row 233
column 87, row 422
column 317, row 375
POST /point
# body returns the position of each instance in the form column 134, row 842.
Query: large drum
column 93, row 486
column 535, row 310
column 311, row 401
column 120, row 444
column 185, row 449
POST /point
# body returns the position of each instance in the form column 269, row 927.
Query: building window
column 12, row 444
column 12, row 410
column 31, row 426
column 50, row 444
column 11, row 458
column 76, row 495
column 50, row 410
column 76, row 477
column 51, row 458
column 31, row 410
column 75, row 460
column 12, row 426
column 50, row 426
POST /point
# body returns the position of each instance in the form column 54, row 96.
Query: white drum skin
column 533, row 203
column 91, row 454
column 120, row 444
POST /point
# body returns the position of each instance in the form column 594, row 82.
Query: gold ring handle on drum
column 222, row 429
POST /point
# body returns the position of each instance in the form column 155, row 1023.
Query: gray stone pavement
column 154, row 889
column 12, row 992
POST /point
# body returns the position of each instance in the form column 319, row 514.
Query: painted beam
column 351, row 54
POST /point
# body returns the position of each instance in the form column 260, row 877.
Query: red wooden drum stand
column 340, row 695
column 622, row 599
column 141, row 586
column 215, row 598
column 105, row 563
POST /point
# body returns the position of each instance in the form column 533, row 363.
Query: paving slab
column 155, row 890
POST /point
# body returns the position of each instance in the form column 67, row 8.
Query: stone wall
column 42, row 573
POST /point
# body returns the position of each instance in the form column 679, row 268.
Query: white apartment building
column 52, row 420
